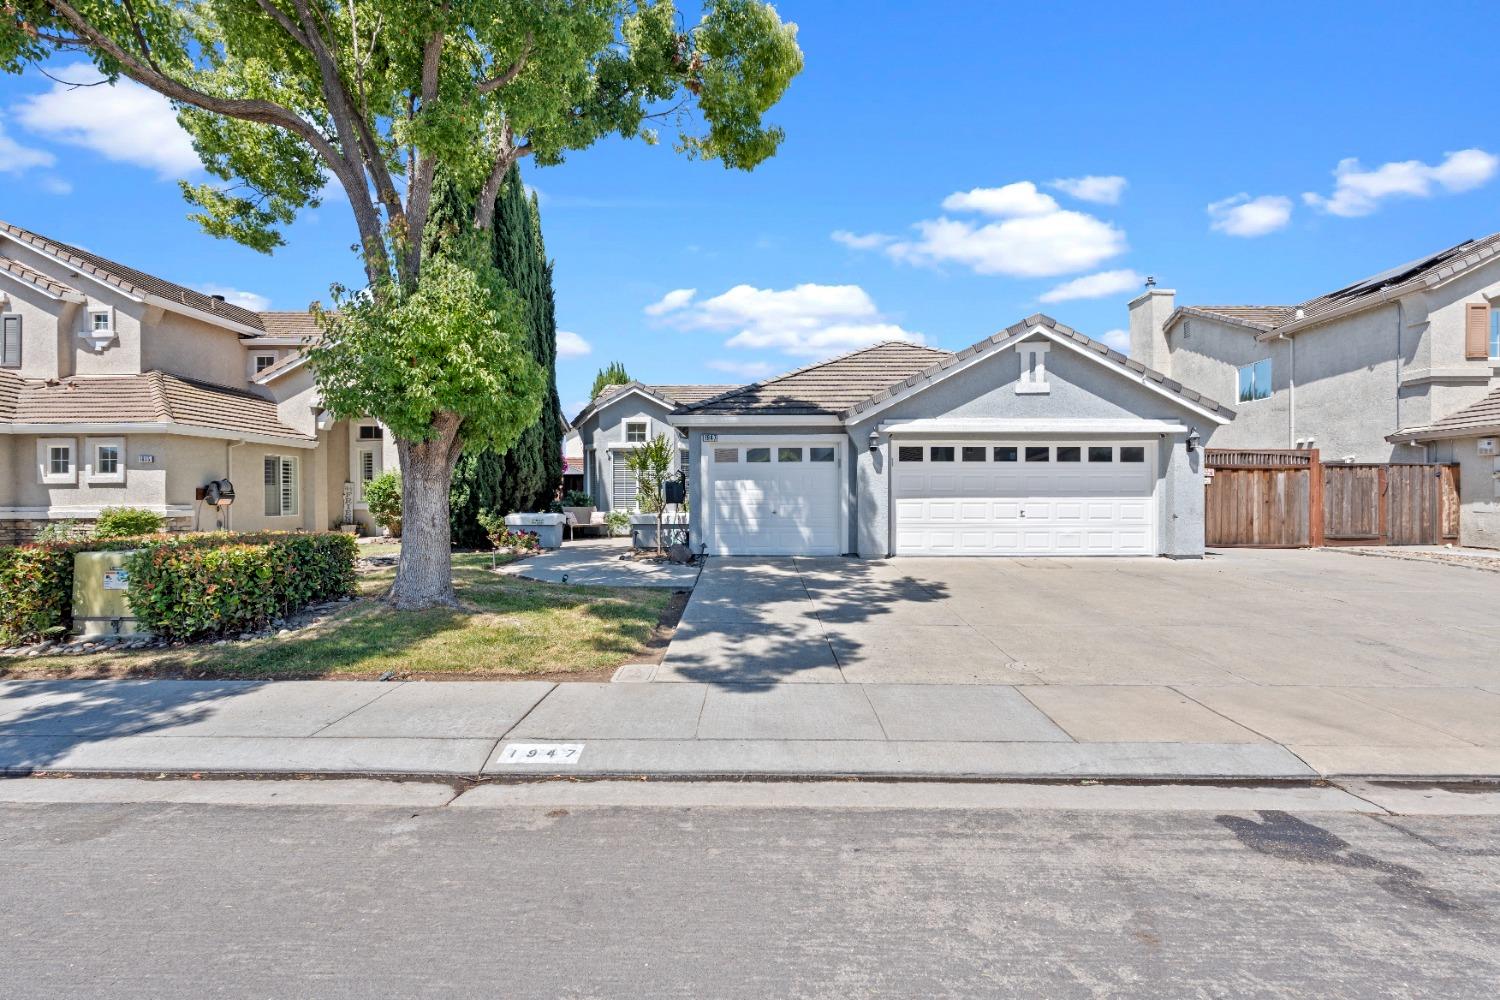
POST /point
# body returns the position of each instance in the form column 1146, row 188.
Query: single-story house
column 1469, row 437
column 620, row 419
column 1035, row 441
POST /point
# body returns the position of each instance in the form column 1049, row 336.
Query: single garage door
column 1002, row 498
column 777, row 498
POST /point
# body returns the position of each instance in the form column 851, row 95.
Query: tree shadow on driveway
column 755, row 623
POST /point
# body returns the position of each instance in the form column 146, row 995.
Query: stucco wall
column 41, row 319
column 1206, row 356
column 186, row 346
column 603, row 435
column 1479, row 494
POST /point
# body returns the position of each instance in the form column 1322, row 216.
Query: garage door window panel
column 1132, row 454
column 820, row 454
column 1069, row 454
column 757, row 456
column 942, row 454
column 788, row 454
column 1005, row 453
column 1036, row 453
column 907, row 453
column 1104, row 454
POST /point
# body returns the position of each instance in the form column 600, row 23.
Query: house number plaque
column 541, row 753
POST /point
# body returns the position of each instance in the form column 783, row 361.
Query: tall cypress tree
column 526, row 476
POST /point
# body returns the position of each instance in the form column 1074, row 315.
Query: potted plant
column 652, row 465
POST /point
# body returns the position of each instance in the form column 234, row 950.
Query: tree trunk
column 424, row 574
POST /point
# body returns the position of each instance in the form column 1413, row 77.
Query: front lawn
column 509, row 627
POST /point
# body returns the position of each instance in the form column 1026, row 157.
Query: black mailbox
column 674, row 491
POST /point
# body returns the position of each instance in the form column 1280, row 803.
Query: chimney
column 1148, row 315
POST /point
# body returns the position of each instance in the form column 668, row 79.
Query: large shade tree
column 280, row 96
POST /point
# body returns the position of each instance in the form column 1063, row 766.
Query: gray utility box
column 101, row 605
column 548, row 528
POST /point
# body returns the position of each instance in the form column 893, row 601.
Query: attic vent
column 218, row 298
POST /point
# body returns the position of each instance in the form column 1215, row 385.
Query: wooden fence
column 1290, row 499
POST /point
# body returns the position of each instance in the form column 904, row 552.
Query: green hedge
column 36, row 586
column 184, row 588
column 258, row 577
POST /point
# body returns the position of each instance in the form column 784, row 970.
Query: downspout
column 1291, row 392
column 228, row 461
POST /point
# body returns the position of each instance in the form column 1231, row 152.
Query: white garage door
column 777, row 498
column 997, row 498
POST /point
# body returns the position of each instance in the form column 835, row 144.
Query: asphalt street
column 173, row 900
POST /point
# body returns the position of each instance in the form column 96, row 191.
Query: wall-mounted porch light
column 1192, row 439
column 874, row 441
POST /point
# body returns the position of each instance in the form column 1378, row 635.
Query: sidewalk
column 475, row 730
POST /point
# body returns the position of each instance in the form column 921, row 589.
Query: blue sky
column 916, row 193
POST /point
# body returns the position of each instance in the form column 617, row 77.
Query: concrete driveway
column 1304, row 648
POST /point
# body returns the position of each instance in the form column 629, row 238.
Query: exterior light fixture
column 1192, row 439
column 874, row 441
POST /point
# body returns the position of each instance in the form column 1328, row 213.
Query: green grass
column 508, row 627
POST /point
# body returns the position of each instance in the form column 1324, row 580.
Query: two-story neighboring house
column 118, row 388
column 1387, row 369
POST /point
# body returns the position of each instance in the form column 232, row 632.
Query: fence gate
column 1289, row 499
column 1261, row 498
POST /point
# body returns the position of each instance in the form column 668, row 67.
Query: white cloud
column 1038, row 246
column 1020, row 198
column 745, row 369
column 1118, row 339
column 1101, row 190
column 808, row 320
column 1242, row 215
column 238, row 297
column 124, row 122
column 861, row 241
column 571, row 345
column 1031, row 236
column 17, row 159
column 1094, row 286
column 52, row 184
column 671, row 302
column 1357, row 191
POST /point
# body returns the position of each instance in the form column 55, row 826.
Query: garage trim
column 1056, row 425
column 707, row 440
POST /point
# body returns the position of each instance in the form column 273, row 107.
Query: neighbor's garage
column 1018, row 497
column 768, row 497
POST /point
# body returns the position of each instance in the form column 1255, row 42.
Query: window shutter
column 1476, row 331
column 624, row 496
column 273, row 486
column 10, row 341
column 289, row 486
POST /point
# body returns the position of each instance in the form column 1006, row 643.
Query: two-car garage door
column 1024, row 498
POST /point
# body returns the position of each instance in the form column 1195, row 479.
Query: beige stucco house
column 1402, row 366
column 121, row 388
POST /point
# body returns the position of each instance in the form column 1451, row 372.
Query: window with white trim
column 101, row 321
column 10, row 341
column 635, row 432
column 105, row 462
column 281, row 485
column 1033, row 368
column 56, row 461
column 263, row 361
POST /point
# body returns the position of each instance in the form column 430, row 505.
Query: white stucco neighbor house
column 1402, row 366
column 119, row 388
column 1035, row 441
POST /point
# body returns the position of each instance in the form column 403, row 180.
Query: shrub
column 36, row 586
column 521, row 541
column 577, row 498
column 383, row 496
column 36, row 581
column 618, row 521
column 193, row 586
column 493, row 524
column 127, row 522
column 61, row 531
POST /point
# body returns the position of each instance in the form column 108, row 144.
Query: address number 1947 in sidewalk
column 541, row 753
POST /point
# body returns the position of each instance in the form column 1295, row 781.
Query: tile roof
column 679, row 394
column 1031, row 322
column 828, row 387
column 32, row 276
column 1427, row 271
column 1255, row 317
column 279, row 323
column 128, row 279
column 153, row 397
column 1475, row 419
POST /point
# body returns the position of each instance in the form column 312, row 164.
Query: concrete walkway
column 598, row 562
column 806, row 730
